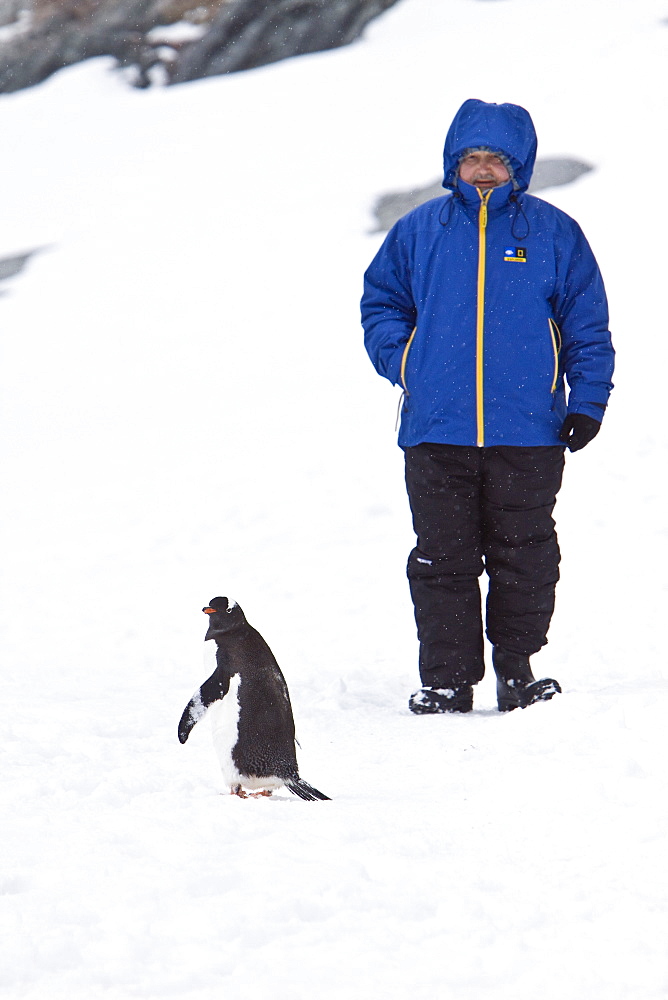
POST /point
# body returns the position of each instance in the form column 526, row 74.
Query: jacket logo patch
column 518, row 254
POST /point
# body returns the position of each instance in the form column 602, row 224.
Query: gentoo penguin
column 253, row 728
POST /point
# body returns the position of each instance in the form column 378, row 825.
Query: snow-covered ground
column 187, row 410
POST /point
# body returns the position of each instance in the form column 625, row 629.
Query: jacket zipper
column 555, row 334
column 480, row 323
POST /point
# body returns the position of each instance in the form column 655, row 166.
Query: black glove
column 578, row 430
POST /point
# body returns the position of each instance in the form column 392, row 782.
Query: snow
column 180, row 31
column 187, row 410
column 15, row 28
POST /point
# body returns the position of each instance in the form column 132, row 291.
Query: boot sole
column 424, row 710
column 440, row 706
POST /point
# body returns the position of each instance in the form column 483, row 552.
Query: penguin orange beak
column 209, row 611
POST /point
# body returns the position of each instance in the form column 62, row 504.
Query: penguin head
column 224, row 616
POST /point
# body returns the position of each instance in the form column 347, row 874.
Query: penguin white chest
column 225, row 730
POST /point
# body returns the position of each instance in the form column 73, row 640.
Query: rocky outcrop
column 548, row 172
column 250, row 33
column 170, row 41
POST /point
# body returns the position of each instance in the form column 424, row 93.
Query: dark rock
column 550, row 172
column 250, row 33
column 555, row 171
column 10, row 11
column 61, row 33
column 234, row 35
column 11, row 266
column 391, row 207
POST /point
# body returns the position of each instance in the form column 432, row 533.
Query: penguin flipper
column 213, row 689
column 305, row 791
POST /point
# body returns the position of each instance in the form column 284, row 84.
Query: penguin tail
column 303, row 790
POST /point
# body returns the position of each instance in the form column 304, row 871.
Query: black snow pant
column 474, row 509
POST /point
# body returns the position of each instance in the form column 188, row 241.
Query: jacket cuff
column 595, row 410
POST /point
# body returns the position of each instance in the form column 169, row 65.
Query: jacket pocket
column 555, row 337
column 404, row 359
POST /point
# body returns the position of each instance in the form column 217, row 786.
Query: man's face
column 484, row 170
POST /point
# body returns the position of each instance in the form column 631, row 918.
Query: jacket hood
column 505, row 128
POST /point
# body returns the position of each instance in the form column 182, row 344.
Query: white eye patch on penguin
column 249, row 704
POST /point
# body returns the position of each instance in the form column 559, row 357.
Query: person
column 477, row 305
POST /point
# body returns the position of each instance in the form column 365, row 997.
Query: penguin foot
column 243, row 794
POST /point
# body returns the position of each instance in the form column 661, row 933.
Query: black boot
column 435, row 701
column 516, row 686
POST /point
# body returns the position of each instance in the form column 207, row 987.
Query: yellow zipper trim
column 555, row 334
column 404, row 359
column 480, row 324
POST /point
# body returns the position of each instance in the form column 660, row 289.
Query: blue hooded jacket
column 479, row 303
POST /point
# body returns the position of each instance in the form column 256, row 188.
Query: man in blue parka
column 478, row 305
